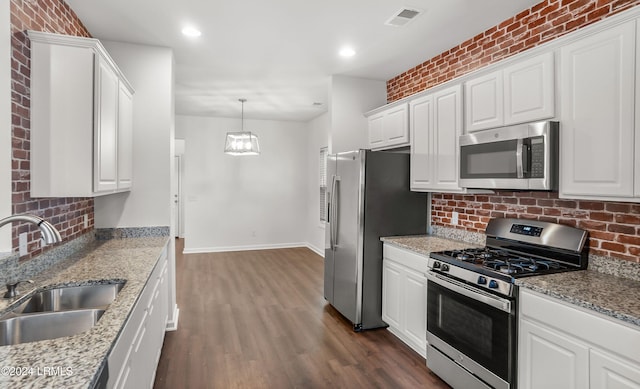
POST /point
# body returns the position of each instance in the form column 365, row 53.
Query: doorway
column 177, row 197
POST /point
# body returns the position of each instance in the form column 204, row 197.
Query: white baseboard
column 172, row 325
column 316, row 250
column 202, row 250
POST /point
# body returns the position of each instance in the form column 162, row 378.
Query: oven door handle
column 476, row 294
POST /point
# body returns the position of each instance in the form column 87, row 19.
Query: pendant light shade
column 242, row 142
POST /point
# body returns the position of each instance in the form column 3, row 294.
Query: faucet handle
column 12, row 289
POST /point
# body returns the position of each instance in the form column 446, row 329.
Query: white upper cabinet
column 125, row 137
column 436, row 124
column 518, row 93
column 105, row 167
column 528, row 90
column 81, row 118
column 597, row 89
column 421, row 125
column 484, row 102
column 389, row 128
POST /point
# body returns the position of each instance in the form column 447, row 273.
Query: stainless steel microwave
column 523, row 156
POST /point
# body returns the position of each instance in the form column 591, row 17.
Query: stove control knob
column 436, row 265
column 482, row 280
column 493, row 284
column 444, row 267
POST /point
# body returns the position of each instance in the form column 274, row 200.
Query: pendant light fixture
column 242, row 142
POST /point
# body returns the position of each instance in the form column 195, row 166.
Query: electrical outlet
column 454, row 218
column 22, row 244
column 86, row 220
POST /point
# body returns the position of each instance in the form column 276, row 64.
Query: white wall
column 5, row 124
column 150, row 71
column 236, row 203
column 349, row 98
column 318, row 137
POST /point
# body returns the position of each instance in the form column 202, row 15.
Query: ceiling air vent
column 403, row 16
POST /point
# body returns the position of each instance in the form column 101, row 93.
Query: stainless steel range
column 472, row 298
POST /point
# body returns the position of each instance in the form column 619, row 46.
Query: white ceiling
column 279, row 54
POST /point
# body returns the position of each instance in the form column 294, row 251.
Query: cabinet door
column 597, row 95
column 395, row 127
column 421, row 122
column 415, row 312
column 446, row 130
column 608, row 372
column 391, row 293
column 105, row 129
column 550, row 360
column 376, row 134
column 484, row 102
column 125, row 137
column 529, row 90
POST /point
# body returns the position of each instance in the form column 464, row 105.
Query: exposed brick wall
column 66, row 214
column 614, row 228
column 543, row 22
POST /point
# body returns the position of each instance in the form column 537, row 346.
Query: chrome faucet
column 49, row 233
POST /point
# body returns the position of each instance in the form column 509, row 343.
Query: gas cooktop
column 515, row 248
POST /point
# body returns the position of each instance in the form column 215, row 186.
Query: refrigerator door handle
column 332, row 221
column 336, row 208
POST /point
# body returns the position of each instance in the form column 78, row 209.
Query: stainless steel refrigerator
column 368, row 198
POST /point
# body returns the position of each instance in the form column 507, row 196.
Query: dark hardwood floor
column 258, row 319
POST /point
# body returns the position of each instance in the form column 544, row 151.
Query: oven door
column 473, row 328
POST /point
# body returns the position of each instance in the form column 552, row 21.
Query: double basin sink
column 56, row 312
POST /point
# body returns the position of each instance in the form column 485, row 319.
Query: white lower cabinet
column 134, row 358
column 404, row 296
column 564, row 347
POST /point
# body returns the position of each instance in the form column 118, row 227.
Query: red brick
column 622, row 229
column 592, row 225
column 627, row 219
column 628, row 239
column 611, row 246
column 604, row 216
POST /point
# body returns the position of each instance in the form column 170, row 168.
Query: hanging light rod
column 242, row 142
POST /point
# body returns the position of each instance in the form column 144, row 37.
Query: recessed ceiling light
column 347, row 52
column 191, row 32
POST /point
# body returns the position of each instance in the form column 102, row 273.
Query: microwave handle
column 520, row 158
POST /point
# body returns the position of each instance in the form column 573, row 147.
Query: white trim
column 172, row 325
column 315, row 250
column 202, row 250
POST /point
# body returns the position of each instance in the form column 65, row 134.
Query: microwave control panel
column 537, row 157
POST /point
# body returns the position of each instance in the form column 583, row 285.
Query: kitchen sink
column 70, row 297
column 57, row 312
column 47, row 325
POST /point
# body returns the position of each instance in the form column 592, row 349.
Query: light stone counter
column 425, row 244
column 75, row 361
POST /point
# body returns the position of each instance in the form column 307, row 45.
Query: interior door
column 348, row 248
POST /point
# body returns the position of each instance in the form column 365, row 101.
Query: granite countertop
column 425, row 244
column 75, row 361
column 603, row 293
